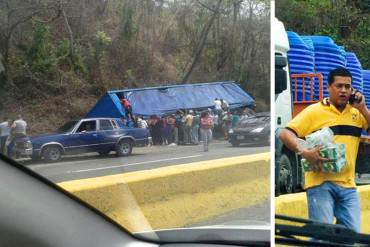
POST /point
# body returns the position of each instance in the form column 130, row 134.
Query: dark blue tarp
column 169, row 99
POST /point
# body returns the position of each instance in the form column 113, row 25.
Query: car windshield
column 151, row 90
column 262, row 120
column 67, row 127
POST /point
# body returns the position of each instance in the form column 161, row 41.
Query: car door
column 108, row 134
column 84, row 138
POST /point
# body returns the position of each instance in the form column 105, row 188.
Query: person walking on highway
column 206, row 125
column 226, row 124
column 188, row 124
column 171, row 121
column 195, row 128
column 332, row 195
column 178, row 132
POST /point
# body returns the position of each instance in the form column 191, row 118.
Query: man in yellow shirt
column 332, row 195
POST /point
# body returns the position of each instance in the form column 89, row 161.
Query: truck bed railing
column 308, row 89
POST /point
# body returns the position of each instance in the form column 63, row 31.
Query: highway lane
column 142, row 158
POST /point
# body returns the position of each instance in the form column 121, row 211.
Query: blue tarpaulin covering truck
column 165, row 100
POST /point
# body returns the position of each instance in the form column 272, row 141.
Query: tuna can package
column 336, row 153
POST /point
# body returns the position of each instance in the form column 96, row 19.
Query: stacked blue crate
column 328, row 56
column 301, row 61
column 366, row 91
column 354, row 65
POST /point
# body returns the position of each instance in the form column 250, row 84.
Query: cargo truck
column 289, row 175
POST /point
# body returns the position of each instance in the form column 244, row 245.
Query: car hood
column 251, row 127
column 240, row 232
column 46, row 137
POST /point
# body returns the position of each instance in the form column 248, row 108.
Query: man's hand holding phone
column 357, row 100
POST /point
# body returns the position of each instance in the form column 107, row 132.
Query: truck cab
column 288, row 174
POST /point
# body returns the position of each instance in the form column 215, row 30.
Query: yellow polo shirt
column 347, row 127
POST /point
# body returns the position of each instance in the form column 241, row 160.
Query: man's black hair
column 338, row 72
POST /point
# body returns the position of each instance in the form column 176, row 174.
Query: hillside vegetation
column 60, row 57
column 347, row 22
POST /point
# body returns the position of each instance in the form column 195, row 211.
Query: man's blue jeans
column 329, row 200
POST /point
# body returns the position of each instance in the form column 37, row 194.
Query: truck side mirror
column 280, row 61
column 281, row 79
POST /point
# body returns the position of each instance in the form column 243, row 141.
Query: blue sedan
column 101, row 135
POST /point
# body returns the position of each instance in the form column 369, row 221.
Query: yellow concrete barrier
column 296, row 205
column 179, row 195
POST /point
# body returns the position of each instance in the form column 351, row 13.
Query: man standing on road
column 4, row 135
column 188, row 123
column 19, row 127
column 332, row 195
column 206, row 125
column 195, row 128
column 217, row 106
column 18, row 130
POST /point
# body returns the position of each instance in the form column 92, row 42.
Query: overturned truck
column 165, row 100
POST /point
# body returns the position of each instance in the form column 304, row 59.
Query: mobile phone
column 352, row 99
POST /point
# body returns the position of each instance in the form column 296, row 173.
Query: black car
column 253, row 129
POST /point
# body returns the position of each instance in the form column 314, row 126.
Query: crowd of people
column 185, row 127
column 189, row 126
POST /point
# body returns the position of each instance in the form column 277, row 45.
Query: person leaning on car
column 19, row 127
column 332, row 194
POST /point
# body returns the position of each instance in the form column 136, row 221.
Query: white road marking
column 138, row 163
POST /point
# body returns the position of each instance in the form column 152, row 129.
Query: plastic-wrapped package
column 336, row 153
column 320, row 138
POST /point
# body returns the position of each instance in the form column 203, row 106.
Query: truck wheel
column 285, row 178
column 52, row 153
column 124, row 148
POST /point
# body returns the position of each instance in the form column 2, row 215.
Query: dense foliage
column 346, row 21
column 67, row 53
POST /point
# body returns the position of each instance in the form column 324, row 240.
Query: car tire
column 285, row 175
column 124, row 148
column 52, row 153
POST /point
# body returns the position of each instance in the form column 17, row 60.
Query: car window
column 105, row 124
column 67, row 127
column 114, row 123
column 87, row 126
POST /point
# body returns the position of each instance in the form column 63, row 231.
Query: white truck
column 288, row 176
